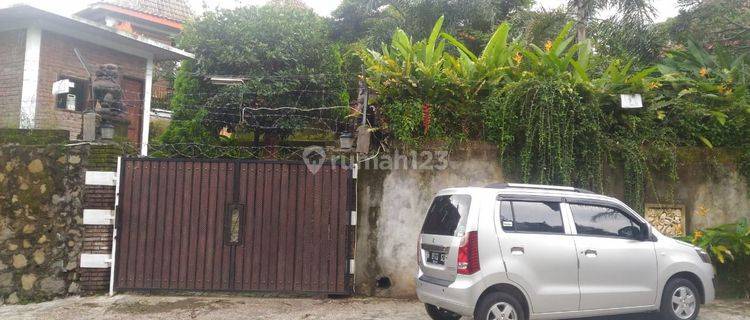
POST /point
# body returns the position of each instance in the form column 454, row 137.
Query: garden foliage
column 286, row 62
column 554, row 110
column 729, row 245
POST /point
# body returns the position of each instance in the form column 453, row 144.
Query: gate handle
column 234, row 224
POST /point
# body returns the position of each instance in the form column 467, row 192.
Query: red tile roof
column 176, row 10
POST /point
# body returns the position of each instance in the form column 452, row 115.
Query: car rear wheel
column 499, row 306
column 436, row 313
column 680, row 300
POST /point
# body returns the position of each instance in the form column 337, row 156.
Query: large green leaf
column 430, row 48
column 496, row 48
column 460, row 46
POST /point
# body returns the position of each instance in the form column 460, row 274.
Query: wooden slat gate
column 233, row 226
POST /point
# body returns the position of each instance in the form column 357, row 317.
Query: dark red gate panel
column 233, row 225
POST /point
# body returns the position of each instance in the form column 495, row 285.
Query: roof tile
column 176, row 10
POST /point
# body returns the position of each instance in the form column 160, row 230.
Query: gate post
column 98, row 218
column 118, row 182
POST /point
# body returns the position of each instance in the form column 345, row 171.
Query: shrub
column 729, row 245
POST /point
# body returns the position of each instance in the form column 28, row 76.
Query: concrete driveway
column 129, row 306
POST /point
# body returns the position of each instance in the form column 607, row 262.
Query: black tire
column 482, row 311
column 436, row 313
column 667, row 310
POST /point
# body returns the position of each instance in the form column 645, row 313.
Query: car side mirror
column 633, row 232
column 646, row 233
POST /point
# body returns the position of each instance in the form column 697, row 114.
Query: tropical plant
column 473, row 74
column 545, row 120
column 709, row 92
column 729, row 244
column 448, row 86
column 560, row 57
column 726, row 242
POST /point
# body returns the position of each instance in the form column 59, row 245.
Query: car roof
column 533, row 190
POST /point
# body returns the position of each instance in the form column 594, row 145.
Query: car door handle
column 517, row 251
column 590, row 253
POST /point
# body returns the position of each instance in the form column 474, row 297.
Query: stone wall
column 41, row 191
column 709, row 186
column 391, row 205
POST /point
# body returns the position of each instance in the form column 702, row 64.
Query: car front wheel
column 499, row 306
column 436, row 313
column 680, row 301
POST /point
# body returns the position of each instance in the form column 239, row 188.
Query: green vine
column 547, row 132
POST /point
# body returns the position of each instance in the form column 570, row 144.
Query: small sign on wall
column 70, row 103
column 668, row 219
column 62, row 86
column 631, row 101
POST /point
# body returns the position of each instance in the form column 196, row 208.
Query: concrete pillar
column 88, row 133
column 146, row 120
column 30, row 82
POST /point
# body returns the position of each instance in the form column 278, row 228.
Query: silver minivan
column 517, row 251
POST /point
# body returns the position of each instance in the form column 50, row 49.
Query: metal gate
column 233, row 226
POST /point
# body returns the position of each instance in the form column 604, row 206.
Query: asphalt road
column 127, row 306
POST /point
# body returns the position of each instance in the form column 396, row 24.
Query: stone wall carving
column 669, row 220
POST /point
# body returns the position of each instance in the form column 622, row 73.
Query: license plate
column 436, row 257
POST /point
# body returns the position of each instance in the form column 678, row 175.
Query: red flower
column 426, row 117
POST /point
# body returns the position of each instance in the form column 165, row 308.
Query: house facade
column 42, row 48
column 160, row 20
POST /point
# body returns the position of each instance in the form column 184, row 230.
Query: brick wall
column 11, row 76
column 98, row 238
column 59, row 59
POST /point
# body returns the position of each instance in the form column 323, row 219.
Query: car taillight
column 419, row 250
column 468, row 254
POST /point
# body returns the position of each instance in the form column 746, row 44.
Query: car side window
column 603, row 221
column 531, row 216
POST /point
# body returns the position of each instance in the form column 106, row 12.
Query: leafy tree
column 629, row 34
column 713, row 23
column 628, row 40
column 538, row 26
column 188, row 124
column 285, row 58
column 629, row 11
column 472, row 21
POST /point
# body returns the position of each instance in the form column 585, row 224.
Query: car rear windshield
column 446, row 214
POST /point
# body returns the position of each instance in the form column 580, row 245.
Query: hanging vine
column 547, row 132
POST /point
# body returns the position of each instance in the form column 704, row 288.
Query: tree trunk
column 582, row 18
